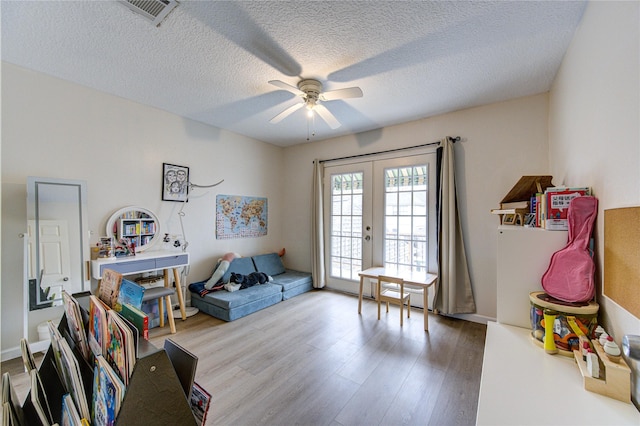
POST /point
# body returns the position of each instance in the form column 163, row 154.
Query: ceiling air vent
column 153, row 10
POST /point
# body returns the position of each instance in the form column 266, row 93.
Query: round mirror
column 136, row 226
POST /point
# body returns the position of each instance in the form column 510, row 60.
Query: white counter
column 523, row 385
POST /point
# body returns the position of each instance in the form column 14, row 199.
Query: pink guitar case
column 570, row 276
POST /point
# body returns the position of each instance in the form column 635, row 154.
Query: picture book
column 132, row 345
column 120, row 349
column 108, row 392
column 97, row 325
column 138, row 318
column 10, row 402
column 75, row 324
column 27, row 357
column 200, row 401
column 109, row 287
column 72, row 376
column 557, row 205
column 130, row 293
column 70, row 415
column 56, row 349
column 39, row 399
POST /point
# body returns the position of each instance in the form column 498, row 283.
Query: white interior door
column 379, row 212
column 55, row 262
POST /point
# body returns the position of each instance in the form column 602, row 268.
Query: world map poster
column 240, row 217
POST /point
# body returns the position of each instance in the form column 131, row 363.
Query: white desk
column 147, row 262
column 523, row 385
column 423, row 280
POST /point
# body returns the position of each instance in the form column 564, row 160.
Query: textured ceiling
column 210, row 61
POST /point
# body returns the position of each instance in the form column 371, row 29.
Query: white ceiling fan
column 312, row 95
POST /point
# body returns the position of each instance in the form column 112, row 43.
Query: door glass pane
column 346, row 225
column 406, row 207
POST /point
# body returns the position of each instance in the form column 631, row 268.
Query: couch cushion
column 237, row 312
column 270, row 264
column 233, row 299
column 291, row 279
column 239, row 265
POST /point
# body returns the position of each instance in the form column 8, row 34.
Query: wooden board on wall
column 622, row 257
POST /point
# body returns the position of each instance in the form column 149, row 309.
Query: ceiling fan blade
column 349, row 92
column 287, row 112
column 287, row 87
column 326, row 115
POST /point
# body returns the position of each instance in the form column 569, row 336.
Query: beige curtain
column 453, row 293
column 317, row 266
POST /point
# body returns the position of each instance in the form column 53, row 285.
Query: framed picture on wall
column 175, row 182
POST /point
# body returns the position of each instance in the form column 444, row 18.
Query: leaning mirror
column 135, row 227
column 58, row 240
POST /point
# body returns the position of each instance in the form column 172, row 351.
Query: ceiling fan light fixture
column 312, row 96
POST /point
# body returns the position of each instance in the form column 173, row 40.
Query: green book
column 137, row 318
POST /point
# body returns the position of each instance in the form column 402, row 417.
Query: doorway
column 379, row 212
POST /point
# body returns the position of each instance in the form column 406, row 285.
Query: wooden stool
column 162, row 293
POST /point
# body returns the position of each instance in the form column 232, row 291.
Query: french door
column 379, row 212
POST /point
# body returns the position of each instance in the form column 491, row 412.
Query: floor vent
column 153, row 10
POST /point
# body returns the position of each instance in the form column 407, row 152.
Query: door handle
column 367, row 238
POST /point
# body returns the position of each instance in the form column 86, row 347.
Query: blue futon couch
column 229, row 306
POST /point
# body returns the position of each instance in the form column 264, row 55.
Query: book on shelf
column 515, row 205
column 28, row 360
column 97, row 335
column 138, row 318
column 130, row 293
column 109, row 287
column 69, row 370
column 108, row 393
column 39, row 399
column 12, row 409
column 200, row 401
column 557, row 201
column 119, row 351
column 76, row 325
column 70, row 415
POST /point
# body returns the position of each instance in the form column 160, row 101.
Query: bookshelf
column 154, row 395
column 139, row 231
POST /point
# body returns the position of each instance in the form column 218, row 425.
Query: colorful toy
column 557, row 325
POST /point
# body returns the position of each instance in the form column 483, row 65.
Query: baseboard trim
column 10, row 353
column 480, row 319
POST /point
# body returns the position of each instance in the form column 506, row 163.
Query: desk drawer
column 172, row 261
column 131, row 267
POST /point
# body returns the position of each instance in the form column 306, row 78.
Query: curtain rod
column 454, row 139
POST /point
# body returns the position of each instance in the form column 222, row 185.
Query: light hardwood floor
column 313, row 360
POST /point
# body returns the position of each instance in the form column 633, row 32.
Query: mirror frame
column 52, row 309
column 116, row 215
column 34, row 214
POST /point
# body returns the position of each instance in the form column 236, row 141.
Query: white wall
column 58, row 129
column 52, row 128
column 594, row 125
column 500, row 143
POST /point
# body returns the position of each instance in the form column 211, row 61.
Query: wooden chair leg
column 409, row 307
column 172, row 323
column 378, row 297
column 161, row 311
column 401, row 313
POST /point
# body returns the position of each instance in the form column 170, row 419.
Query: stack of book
column 535, row 202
